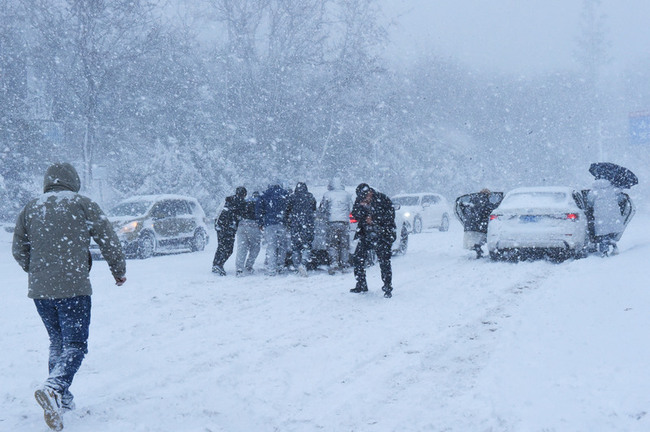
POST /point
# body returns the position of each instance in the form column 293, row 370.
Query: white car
column 423, row 210
column 539, row 221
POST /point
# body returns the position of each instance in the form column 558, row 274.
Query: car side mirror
column 397, row 206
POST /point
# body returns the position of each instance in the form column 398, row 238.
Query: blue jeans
column 66, row 321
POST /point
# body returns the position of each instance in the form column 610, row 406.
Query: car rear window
column 534, row 199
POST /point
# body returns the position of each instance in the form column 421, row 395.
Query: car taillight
column 494, row 216
column 572, row 216
column 352, row 219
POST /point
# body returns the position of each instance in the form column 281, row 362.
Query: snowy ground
column 463, row 345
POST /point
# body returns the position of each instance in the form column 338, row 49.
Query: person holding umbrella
column 605, row 199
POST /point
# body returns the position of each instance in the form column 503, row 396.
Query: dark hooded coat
column 382, row 214
column 477, row 213
column 52, row 237
column 301, row 210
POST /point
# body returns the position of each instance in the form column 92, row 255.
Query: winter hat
column 362, row 190
column 241, row 192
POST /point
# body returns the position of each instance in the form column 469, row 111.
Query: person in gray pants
column 249, row 238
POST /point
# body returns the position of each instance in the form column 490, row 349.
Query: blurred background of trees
column 150, row 96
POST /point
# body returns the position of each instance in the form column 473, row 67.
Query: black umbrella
column 619, row 176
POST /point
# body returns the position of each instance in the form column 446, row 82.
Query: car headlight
column 407, row 214
column 129, row 228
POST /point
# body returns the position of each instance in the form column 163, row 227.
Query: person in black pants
column 226, row 227
column 376, row 231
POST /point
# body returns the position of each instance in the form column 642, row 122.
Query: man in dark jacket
column 51, row 241
column 271, row 216
column 375, row 230
column 226, row 227
column 476, row 215
column 301, row 210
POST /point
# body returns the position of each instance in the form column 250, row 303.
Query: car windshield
column 131, row 208
column 534, row 199
column 405, row 200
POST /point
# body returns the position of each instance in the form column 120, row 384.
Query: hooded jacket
column 301, row 209
column 337, row 202
column 52, row 236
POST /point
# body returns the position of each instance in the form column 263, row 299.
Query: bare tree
column 290, row 67
column 87, row 44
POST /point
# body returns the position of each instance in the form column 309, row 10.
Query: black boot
column 360, row 288
column 388, row 290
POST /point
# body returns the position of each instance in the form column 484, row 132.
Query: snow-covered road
column 464, row 345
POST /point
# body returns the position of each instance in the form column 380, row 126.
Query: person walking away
column 477, row 215
column 376, row 230
column 50, row 242
column 336, row 205
column 226, row 227
column 249, row 237
column 271, row 212
column 604, row 199
column 301, row 211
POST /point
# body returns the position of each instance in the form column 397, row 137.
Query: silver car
column 151, row 224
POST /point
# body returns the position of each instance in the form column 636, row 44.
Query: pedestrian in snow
column 376, row 230
column 50, row 242
column 605, row 201
column 249, row 237
column 301, row 211
column 271, row 216
column 226, row 227
column 475, row 224
column 336, row 206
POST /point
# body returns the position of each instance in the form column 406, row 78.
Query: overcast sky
column 519, row 36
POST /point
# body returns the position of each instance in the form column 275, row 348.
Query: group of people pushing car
column 287, row 221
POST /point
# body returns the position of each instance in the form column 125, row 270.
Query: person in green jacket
column 51, row 241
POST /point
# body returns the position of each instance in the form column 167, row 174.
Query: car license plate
column 528, row 218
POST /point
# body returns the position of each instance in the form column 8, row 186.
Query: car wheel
column 495, row 255
column 146, row 246
column 197, row 243
column 444, row 224
column 403, row 241
column 417, row 225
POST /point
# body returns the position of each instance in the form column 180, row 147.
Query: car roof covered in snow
column 160, row 197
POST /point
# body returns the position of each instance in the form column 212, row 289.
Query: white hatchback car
column 423, row 210
column 539, row 221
